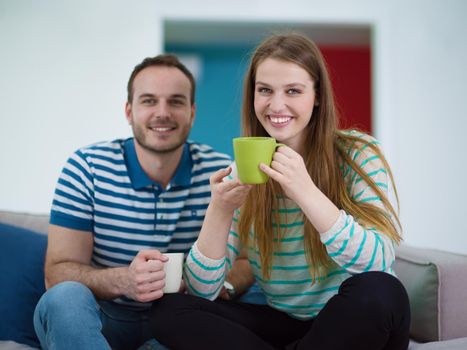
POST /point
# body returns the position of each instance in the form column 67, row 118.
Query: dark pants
column 371, row 311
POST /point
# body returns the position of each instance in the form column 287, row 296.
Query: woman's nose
column 276, row 103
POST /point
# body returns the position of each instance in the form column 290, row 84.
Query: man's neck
column 159, row 167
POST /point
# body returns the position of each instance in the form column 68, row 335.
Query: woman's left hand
column 289, row 170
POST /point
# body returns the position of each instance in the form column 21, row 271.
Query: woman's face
column 284, row 100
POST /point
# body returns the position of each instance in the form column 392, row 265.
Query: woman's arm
column 349, row 244
column 353, row 246
column 207, row 263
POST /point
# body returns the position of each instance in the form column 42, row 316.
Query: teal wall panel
column 218, row 94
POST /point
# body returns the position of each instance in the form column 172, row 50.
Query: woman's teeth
column 280, row 120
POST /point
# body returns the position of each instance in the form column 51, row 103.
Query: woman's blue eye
column 264, row 90
column 293, row 91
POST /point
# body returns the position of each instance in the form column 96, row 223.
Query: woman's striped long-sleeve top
column 352, row 247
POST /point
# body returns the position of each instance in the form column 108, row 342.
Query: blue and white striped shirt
column 103, row 190
column 352, row 247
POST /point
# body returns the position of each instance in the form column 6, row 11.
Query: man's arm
column 68, row 258
column 240, row 276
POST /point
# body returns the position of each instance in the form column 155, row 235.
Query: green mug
column 249, row 152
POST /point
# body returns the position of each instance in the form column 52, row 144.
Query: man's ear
column 193, row 112
column 129, row 116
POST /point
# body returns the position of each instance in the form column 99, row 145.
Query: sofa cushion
column 436, row 283
column 453, row 344
column 22, row 255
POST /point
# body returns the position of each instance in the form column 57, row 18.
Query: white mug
column 173, row 272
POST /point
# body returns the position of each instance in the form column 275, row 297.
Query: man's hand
column 146, row 276
column 240, row 277
column 227, row 294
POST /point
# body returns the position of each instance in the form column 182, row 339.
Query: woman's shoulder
column 361, row 149
column 358, row 143
column 358, row 137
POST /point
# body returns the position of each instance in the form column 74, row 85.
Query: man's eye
column 177, row 102
column 149, row 101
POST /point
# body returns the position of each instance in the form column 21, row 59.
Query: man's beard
column 140, row 137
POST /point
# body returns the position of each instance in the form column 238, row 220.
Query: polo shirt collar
column 140, row 180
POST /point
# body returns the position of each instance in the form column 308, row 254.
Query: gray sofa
column 436, row 282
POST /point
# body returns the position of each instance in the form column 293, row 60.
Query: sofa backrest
column 34, row 222
column 436, row 282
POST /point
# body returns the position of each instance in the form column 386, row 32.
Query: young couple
column 319, row 236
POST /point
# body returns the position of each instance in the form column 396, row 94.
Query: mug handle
column 279, row 145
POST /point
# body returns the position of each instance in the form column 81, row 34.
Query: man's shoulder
column 204, row 153
column 111, row 148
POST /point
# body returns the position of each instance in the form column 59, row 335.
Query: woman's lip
column 279, row 121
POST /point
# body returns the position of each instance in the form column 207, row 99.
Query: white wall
column 63, row 72
column 64, row 68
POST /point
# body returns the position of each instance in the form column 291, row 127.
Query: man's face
column 161, row 113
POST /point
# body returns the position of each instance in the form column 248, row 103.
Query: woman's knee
column 377, row 291
column 176, row 301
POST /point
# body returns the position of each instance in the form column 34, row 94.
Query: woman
column 319, row 235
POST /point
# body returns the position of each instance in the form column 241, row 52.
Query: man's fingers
column 182, row 287
column 151, row 254
column 147, row 297
column 223, row 294
column 149, row 277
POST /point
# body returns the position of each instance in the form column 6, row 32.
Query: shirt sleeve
column 352, row 246
column 204, row 276
column 73, row 202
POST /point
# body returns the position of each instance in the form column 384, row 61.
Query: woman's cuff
column 335, row 228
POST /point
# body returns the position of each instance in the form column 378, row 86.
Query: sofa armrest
column 436, row 282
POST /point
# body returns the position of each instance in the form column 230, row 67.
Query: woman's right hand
column 227, row 195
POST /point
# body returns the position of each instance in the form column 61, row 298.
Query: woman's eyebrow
column 287, row 85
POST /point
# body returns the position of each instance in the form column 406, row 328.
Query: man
column 118, row 207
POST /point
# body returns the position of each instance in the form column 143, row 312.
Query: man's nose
column 163, row 109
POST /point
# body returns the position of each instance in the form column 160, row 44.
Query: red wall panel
column 350, row 70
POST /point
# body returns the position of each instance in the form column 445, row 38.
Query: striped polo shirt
column 103, row 190
column 352, row 248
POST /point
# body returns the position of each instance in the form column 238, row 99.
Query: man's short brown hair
column 166, row 60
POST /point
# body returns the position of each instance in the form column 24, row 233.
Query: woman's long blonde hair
column 326, row 153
